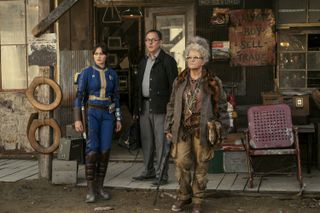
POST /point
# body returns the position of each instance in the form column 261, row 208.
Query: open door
column 175, row 26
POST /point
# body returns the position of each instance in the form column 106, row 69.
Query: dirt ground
column 40, row 196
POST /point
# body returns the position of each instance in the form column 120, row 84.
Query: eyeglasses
column 151, row 40
column 195, row 58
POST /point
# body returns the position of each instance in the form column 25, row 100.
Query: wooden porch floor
column 120, row 175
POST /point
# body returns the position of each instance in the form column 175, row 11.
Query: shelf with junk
column 118, row 59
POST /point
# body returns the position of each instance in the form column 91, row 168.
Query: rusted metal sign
column 42, row 51
column 252, row 40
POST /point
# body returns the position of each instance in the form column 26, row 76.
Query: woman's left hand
column 118, row 126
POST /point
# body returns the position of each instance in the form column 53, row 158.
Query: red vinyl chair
column 270, row 132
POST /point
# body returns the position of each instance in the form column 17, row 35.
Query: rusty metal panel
column 71, row 62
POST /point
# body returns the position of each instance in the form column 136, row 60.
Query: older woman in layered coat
column 196, row 98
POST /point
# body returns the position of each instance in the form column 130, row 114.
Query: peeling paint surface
column 42, row 51
column 14, row 114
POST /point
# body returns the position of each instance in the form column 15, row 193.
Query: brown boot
column 180, row 204
column 196, row 208
column 90, row 169
column 101, row 173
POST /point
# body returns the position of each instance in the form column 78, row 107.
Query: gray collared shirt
column 146, row 76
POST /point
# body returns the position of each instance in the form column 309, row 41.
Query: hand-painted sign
column 252, row 40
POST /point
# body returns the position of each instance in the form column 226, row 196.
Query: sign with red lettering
column 252, row 40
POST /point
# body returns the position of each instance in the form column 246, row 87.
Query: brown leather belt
column 98, row 106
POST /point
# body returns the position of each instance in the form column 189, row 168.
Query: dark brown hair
column 155, row 31
column 103, row 47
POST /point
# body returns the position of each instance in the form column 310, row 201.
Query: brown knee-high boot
column 101, row 173
column 91, row 160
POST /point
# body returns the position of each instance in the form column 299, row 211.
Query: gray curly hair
column 199, row 44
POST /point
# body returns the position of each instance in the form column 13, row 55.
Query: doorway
column 176, row 27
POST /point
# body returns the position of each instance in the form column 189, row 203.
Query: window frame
column 24, row 44
column 306, row 52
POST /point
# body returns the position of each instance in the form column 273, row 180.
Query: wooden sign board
column 252, row 40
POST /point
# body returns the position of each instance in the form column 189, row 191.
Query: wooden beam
column 142, row 3
column 62, row 8
column 297, row 25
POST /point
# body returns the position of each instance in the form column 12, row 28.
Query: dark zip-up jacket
column 162, row 75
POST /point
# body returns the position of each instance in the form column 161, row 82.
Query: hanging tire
column 37, row 123
column 37, row 81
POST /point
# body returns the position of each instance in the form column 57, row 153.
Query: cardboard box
column 271, row 98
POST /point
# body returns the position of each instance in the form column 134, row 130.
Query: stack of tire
column 35, row 123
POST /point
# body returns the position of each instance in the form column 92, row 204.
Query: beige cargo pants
column 191, row 156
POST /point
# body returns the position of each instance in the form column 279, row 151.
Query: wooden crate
column 271, row 98
column 64, row 172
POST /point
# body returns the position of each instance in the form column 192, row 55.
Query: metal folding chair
column 270, row 132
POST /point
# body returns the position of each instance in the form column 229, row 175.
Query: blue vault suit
column 98, row 89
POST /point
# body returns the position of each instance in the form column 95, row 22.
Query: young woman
column 98, row 92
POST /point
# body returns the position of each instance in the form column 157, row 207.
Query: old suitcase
column 71, row 149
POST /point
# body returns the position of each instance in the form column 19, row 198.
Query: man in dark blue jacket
column 156, row 73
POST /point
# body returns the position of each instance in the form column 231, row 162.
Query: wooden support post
column 45, row 132
column 43, row 25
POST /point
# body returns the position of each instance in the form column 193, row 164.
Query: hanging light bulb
column 131, row 13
